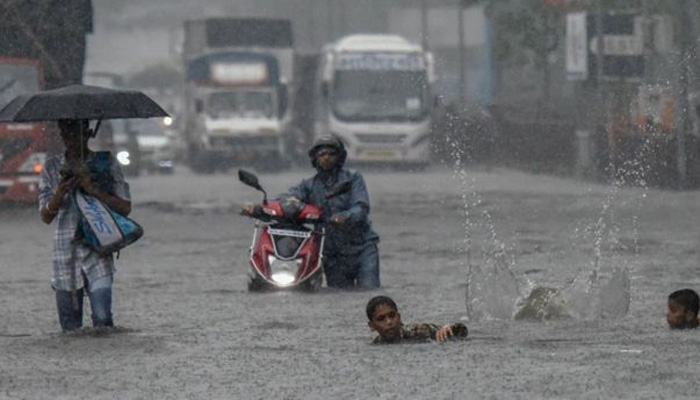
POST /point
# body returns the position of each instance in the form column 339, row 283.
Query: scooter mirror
column 338, row 189
column 249, row 179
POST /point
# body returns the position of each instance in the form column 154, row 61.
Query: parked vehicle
column 38, row 51
column 116, row 136
column 287, row 249
column 155, row 145
column 23, row 146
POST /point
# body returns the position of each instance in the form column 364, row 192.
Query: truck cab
column 236, row 99
column 239, row 106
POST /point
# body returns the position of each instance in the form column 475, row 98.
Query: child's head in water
column 384, row 317
column 683, row 307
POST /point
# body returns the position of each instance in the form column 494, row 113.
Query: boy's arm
column 418, row 332
column 51, row 193
column 447, row 332
column 435, row 332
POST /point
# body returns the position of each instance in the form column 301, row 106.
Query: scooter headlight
column 283, row 272
column 283, row 278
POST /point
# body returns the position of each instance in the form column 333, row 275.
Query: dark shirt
column 423, row 333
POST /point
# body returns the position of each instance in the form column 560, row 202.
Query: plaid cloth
column 72, row 259
column 423, row 333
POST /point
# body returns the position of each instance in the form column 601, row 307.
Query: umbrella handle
column 97, row 127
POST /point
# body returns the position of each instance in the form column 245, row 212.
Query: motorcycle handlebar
column 259, row 214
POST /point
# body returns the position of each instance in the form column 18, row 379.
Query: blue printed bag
column 102, row 229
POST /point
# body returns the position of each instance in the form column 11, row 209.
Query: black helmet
column 328, row 141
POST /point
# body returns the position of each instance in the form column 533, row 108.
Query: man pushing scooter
column 351, row 256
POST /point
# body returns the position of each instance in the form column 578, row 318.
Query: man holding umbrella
column 76, row 267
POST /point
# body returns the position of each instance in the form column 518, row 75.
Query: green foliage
column 525, row 30
column 159, row 76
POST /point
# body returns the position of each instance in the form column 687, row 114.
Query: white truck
column 236, row 99
column 374, row 93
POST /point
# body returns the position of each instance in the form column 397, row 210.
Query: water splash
column 600, row 291
column 492, row 287
column 492, row 290
column 588, row 297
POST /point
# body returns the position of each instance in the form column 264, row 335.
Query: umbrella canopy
column 80, row 102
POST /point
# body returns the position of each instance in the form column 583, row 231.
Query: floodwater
column 594, row 263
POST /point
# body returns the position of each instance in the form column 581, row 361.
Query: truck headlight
column 123, row 157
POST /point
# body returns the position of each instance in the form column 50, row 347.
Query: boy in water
column 683, row 307
column 385, row 319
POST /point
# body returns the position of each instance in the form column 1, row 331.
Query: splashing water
column 492, row 288
column 592, row 296
column 494, row 291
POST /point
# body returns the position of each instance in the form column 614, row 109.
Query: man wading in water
column 76, row 267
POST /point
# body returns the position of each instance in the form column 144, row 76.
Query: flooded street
column 190, row 329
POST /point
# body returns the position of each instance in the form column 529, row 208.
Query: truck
column 23, row 146
column 237, row 102
column 374, row 93
column 42, row 46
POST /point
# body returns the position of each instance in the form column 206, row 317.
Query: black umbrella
column 80, row 102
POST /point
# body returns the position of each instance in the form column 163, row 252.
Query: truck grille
column 381, row 138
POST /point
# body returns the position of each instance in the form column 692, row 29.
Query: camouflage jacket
column 415, row 333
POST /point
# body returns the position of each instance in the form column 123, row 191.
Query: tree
column 160, row 76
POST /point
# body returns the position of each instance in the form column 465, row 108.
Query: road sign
column 576, row 49
column 623, row 46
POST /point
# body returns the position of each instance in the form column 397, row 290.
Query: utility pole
column 688, row 36
column 462, row 63
column 600, row 84
column 330, row 12
column 648, row 32
column 424, row 23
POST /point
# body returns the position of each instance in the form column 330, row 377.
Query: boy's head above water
column 683, row 307
column 384, row 317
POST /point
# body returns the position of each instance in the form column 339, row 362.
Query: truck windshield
column 366, row 95
column 17, row 79
column 240, row 105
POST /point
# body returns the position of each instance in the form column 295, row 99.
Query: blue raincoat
column 351, row 257
column 356, row 232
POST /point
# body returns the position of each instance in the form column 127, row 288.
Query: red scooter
column 287, row 249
